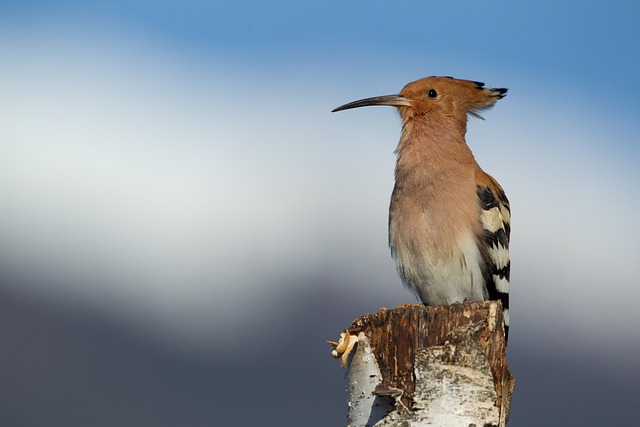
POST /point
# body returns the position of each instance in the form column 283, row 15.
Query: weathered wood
column 442, row 365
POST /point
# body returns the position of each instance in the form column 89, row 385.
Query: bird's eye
column 432, row 93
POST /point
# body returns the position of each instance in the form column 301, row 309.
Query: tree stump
column 428, row 366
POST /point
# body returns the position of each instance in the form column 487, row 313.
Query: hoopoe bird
column 449, row 221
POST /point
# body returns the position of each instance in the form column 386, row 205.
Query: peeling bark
column 429, row 366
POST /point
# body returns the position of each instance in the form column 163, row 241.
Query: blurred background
column 184, row 222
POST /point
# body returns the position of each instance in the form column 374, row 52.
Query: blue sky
column 172, row 166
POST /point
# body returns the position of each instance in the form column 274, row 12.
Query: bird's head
column 437, row 97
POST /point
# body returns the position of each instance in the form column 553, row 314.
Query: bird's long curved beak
column 392, row 100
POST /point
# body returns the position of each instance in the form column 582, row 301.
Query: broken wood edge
column 402, row 336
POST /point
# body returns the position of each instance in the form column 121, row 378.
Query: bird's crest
column 485, row 97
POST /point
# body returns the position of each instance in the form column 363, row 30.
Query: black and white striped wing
column 496, row 224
